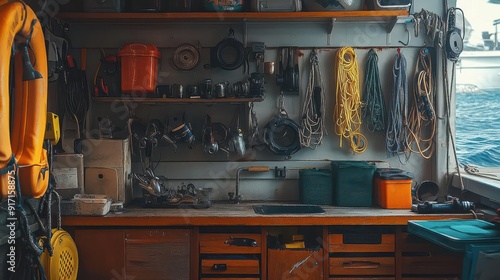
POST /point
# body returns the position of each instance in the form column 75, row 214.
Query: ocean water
column 478, row 128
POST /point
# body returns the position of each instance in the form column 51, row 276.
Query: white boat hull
column 480, row 69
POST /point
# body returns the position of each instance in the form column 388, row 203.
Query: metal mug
column 220, row 90
column 269, row 67
column 206, row 89
column 178, row 91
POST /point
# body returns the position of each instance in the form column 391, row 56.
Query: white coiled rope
column 312, row 127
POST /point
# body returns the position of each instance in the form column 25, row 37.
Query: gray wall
column 218, row 171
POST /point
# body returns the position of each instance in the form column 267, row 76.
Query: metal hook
column 407, row 38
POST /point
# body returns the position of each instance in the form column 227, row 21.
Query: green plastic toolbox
column 352, row 183
column 315, row 186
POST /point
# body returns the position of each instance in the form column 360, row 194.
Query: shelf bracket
column 399, row 19
column 245, row 32
column 331, row 25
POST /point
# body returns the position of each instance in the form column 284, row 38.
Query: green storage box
column 352, row 183
column 315, row 186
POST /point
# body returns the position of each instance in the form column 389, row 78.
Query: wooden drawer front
column 232, row 278
column 294, row 264
column 362, row 266
column 158, row 254
column 220, row 243
column 157, row 235
column 341, row 243
column 364, row 278
column 432, row 265
column 411, row 243
column 432, row 278
column 226, row 266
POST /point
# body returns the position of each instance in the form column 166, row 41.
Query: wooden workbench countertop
column 223, row 214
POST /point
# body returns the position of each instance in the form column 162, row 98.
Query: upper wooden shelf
column 153, row 100
column 228, row 16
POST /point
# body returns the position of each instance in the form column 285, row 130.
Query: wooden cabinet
column 294, row 264
column 158, row 253
column 242, row 253
column 234, row 253
column 420, row 259
column 152, row 253
column 101, row 253
column 361, row 252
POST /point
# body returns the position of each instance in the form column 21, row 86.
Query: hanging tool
column 288, row 77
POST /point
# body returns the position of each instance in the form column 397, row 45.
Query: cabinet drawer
column 220, row 243
column 366, row 278
column 227, row 266
column 232, row 278
column 362, row 266
column 153, row 235
column 431, row 265
column 361, row 242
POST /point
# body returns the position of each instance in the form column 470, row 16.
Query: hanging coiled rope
column 347, row 111
column 397, row 126
column 422, row 121
column 312, row 126
column 373, row 98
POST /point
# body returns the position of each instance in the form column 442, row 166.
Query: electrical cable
column 347, row 111
column 373, row 98
column 422, row 120
column 312, row 126
column 397, row 128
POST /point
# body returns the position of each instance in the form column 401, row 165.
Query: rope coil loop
column 347, row 111
column 373, row 99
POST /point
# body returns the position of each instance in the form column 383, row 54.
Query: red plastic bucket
column 139, row 68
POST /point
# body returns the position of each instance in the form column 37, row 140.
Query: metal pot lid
column 186, row 57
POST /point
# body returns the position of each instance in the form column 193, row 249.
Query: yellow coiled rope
column 347, row 111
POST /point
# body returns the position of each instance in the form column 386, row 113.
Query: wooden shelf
column 228, row 16
column 175, row 100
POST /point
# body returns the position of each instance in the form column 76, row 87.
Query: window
column 478, row 97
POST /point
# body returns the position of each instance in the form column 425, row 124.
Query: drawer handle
column 248, row 242
column 219, row 267
column 361, row 264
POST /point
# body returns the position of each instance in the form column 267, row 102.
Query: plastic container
column 392, row 188
column 142, row 6
column 102, row 6
column 92, row 204
column 473, row 258
column 276, row 5
column 315, row 186
column 455, row 235
column 333, row 5
column 139, row 68
column 388, row 4
column 352, row 183
column 224, row 5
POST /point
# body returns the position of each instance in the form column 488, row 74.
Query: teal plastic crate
column 352, row 183
column 315, row 186
column 455, row 235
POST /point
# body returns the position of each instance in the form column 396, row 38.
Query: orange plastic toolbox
column 392, row 188
column 139, row 68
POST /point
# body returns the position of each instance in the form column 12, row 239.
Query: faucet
column 236, row 197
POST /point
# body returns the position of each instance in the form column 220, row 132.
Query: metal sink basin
column 288, row 209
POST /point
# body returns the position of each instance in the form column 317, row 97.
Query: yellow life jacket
column 24, row 144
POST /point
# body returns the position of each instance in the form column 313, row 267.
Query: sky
column 480, row 14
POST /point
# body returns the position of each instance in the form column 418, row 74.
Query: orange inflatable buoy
column 24, row 146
